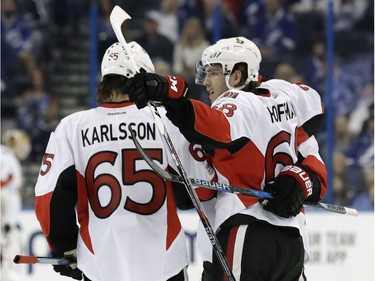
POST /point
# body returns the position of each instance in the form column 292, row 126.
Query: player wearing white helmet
column 91, row 172
column 260, row 135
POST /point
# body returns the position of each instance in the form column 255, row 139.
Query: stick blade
column 118, row 15
column 25, row 259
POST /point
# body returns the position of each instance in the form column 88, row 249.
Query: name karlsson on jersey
column 105, row 132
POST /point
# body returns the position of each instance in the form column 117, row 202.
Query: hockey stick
column 20, row 259
column 233, row 189
column 198, row 182
column 193, row 195
column 117, row 17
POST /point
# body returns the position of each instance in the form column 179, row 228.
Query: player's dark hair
column 243, row 68
column 109, row 85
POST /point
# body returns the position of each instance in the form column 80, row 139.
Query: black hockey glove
column 69, row 270
column 144, row 87
column 290, row 188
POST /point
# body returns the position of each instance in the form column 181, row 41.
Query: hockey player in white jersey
column 128, row 223
column 260, row 135
column 15, row 148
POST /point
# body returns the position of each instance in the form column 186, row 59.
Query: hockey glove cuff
column 289, row 189
column 300, row 175
column 70, row 270
column 144, row 87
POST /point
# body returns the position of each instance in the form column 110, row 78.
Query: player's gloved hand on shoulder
column 144, row 87
column 70, row 270
column 289, row 189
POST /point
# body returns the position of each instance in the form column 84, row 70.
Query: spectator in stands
column 187, row 9
column 188, row 49
column 68, row 15
column 156, row 45
column 275, row 31
column 106, row 35
column 249, row 11
column 187, row 52
column 362, row 111
column 37, row 114
column 286, row 71
column 228, row 26
column 168, row 22
column 162, row 68
column 314, row 69
column 347, row 37
column 347, row 13
column 344, row 90
column 361, row 153
column 16, row 41
column 342, row 134
column 341, row 191
column 366, row 23
column 364, row 198
column 364, row 201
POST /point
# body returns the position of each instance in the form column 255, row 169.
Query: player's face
column 214, row 81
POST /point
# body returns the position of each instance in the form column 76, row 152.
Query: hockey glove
column 289, row 189
column 144, row 87
column 69, row 270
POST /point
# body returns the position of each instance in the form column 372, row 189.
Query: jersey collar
column 116, row 104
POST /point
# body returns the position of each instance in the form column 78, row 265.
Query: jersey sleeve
column 218, row 126
column 56, row 194
column 310, row 111
column 310, row 158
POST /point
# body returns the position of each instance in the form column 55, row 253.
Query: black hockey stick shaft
column 235, row 189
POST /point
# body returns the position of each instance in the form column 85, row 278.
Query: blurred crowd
column 290, row 34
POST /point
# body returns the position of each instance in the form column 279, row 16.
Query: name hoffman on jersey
column 105, row 133
column 277, row 112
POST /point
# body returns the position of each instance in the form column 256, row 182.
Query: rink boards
column 342, row 247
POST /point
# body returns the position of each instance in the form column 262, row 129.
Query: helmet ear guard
column 117, row 61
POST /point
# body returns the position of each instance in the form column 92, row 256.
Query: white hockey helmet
column 117, row 61
column 18, row 141
column 228, row 52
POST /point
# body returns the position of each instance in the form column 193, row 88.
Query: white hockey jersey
column 11, row 184
column 259, row 134
column 129, row 227
column 11, row 205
